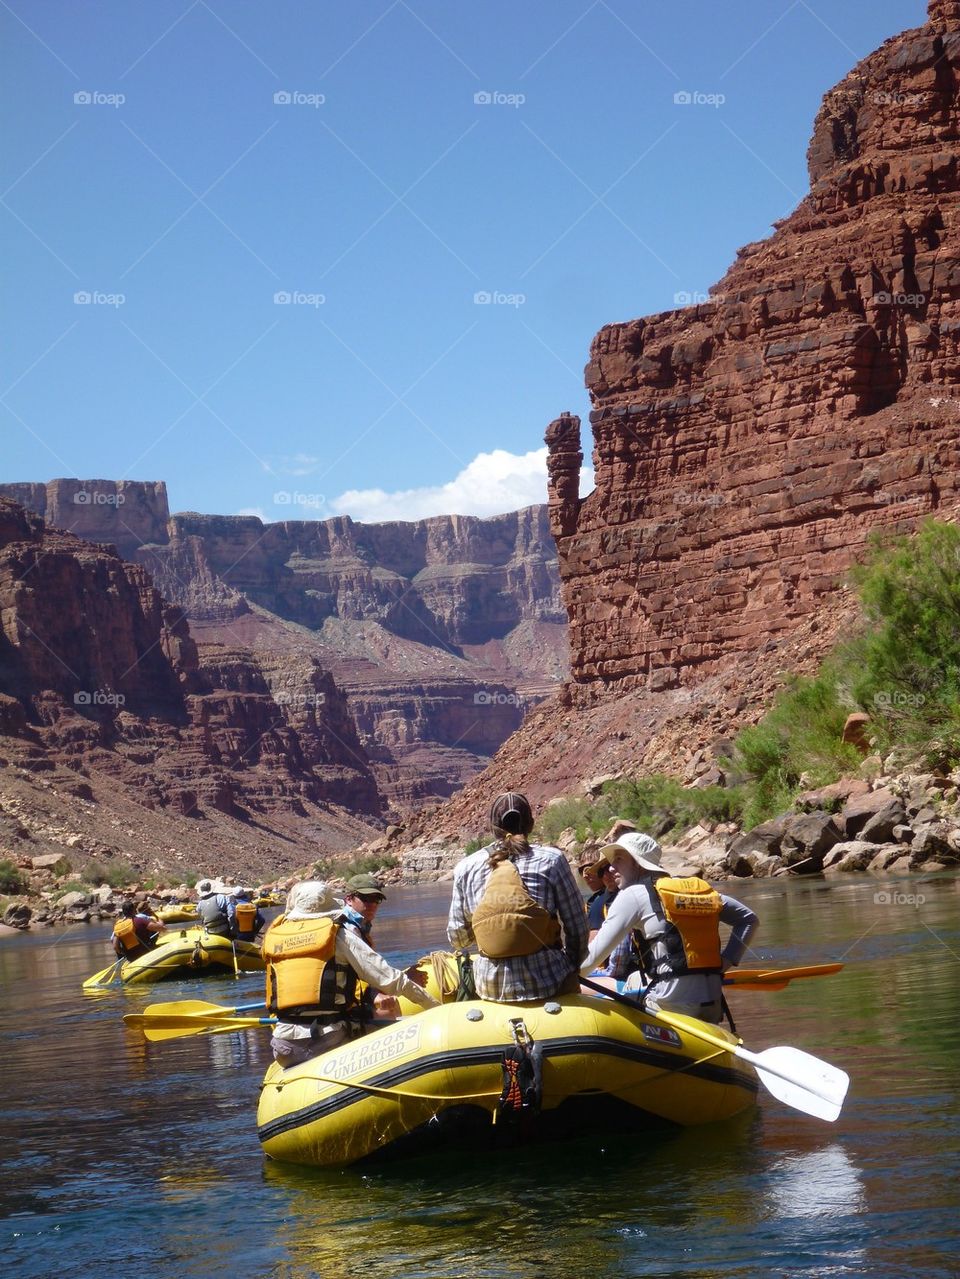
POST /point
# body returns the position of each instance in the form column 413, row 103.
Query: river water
column 127, row 1157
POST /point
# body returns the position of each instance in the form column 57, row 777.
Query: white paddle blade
column 805, row 1082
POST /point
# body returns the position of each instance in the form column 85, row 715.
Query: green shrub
column 71, row 886
column 560, row 815
column 117, row 875
column 905, row 667
column 657, row 804
column 368, row 864
column 902, row 667
column 12, row 878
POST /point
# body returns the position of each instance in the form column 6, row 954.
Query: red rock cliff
column 745, row 448
column 97, row 668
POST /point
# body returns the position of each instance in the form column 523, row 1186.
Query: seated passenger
column 520, row 903
column 317, row 953
column 674, row 924
column 134, row 933
column 213, row 909
column 246, row 919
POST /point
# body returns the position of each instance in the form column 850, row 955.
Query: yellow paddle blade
column 174, row 1027
column 191, row 1008
column 105, row 976
column 775, row 979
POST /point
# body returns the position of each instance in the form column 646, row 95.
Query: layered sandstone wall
column 438, row 632
column 445, row 581
column 96, row 667
column 123, row 513
column 745, row 449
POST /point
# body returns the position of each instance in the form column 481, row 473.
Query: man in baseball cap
column 674, row 924
column 365, row 886
column 333, row 1007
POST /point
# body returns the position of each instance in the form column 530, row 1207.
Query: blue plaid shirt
column 548, row 879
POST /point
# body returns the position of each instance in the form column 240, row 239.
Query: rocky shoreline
column 890, row 824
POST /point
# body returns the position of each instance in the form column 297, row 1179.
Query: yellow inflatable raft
column 448, row 1067
column 179, row 914
column 179, row 953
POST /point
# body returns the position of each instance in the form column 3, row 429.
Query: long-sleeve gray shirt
column 637, row 907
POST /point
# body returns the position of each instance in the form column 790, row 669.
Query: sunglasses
column 369, row 897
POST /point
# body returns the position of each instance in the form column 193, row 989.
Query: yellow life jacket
column 508, row 922
column 125, row 931
column 690, row 942
column 303, row 978
column 245, row 914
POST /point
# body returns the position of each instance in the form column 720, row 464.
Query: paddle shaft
column 157, row 1028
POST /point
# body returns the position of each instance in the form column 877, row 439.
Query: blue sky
column 309, row 257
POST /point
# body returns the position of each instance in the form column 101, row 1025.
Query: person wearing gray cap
column 213, row 909
column 520, row 904
column 675, row 928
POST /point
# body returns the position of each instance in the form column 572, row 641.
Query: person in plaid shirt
column 545, row 874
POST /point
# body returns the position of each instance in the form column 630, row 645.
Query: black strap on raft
column 522, row 1076
column 727, row 1013
column 466, row 986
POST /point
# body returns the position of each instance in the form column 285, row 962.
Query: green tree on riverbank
column 901, row 666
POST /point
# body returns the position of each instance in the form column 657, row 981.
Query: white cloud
column 252, row 510
column 490, row 485
column 292, row 464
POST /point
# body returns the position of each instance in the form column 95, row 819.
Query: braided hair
column 512, row 820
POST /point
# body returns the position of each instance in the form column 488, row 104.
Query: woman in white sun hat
column 674, row 924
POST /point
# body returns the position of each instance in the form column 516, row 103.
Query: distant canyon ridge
column 319, row 678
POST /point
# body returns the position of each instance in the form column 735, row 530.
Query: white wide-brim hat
column 644, row 850
column 309, row 899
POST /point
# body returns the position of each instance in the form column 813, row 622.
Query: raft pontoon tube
column 551, row 1061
